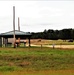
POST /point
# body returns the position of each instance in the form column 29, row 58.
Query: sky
column 37, row 15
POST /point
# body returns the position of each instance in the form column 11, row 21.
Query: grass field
column 36, row 61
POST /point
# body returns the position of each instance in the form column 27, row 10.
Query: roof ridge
column 12, row 31
column 17, row 32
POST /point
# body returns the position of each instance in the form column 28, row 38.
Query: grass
column 36, row 61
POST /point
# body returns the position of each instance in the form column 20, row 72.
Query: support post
column 29, row 42
column 0, row 41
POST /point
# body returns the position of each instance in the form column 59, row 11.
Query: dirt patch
column 56, row 46
column 45, row 72
column 49, row 43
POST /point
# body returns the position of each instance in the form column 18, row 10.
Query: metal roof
column 16, row 33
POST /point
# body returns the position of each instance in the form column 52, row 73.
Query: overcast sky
column 36, row 16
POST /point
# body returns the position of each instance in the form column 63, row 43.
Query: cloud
column 37, row 15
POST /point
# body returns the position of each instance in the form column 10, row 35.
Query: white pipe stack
column 18, row 24
column 14, row 24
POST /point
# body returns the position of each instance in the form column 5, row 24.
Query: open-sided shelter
column 18, row 34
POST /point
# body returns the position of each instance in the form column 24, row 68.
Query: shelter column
column 29, row 42
column 6, row 41
column 0, row 41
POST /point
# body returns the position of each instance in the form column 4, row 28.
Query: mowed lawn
column 36, row 61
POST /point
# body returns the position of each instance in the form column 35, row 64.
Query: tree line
column 51, row 34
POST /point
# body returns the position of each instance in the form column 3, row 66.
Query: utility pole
column 14, row 26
